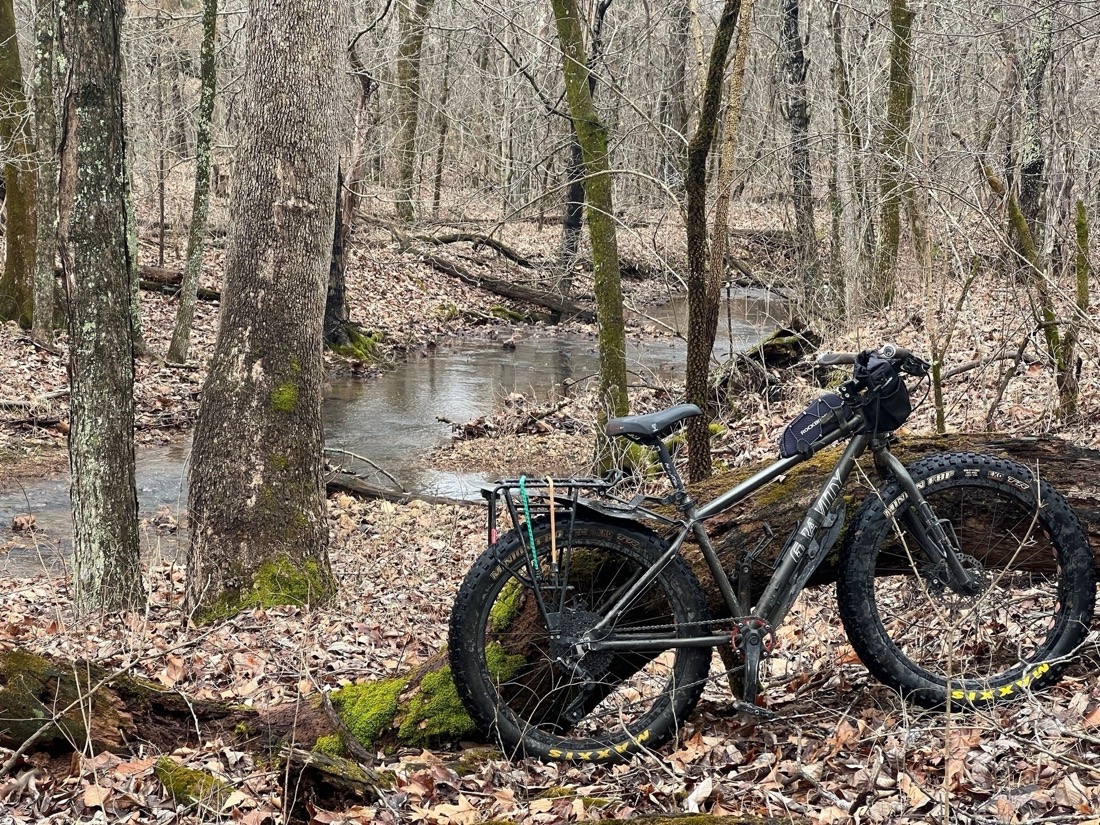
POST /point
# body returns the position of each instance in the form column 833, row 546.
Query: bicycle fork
column 935, row 536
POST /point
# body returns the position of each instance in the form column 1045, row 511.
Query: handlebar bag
column 888, row 404
column 826, row 415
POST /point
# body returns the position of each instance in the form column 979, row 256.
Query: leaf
column 96, row 795
column 699, row 795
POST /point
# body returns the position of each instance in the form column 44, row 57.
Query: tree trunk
column 45, row 127
column 574, row 212
column 17, row 277
column 719, row 235
column 257, row 503
column 444, row 126
column 672, row 107
column 98, row 268
column 412, row 26
column 895, row 148
column 864, row 222
column 701, row 282
column 592, row 136
column 200, row 204
column 802, row 187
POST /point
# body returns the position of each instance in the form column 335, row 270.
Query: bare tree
column 592, row 137
column 45, row 128
column 412, row 18
column 208, row 74
column 96, row 263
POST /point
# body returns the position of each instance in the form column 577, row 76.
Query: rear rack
column 544, row 496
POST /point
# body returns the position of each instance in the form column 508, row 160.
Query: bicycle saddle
column 651, row 427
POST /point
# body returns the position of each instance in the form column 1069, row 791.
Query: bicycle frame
column 798, row 560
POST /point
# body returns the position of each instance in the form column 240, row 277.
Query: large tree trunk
column 257, row 498
column 17, row 277
column 592, row 136
column 702, row 283
column 200, row 204
column 98, row 268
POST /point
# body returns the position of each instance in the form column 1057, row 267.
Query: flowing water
column 394, row 419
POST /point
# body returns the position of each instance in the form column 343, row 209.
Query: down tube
column 803, row 549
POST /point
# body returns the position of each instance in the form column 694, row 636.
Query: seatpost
column 680, row 497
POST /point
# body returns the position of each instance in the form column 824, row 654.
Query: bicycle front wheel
column 519, row 665
column 919, row 633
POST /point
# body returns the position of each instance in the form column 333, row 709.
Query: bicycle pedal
column 740, row 706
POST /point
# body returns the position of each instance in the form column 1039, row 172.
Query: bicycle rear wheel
column 918, row 634
column 526, row 687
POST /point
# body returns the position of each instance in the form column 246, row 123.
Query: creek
column 394, row 419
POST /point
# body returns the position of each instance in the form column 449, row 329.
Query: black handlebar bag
column 887, row 404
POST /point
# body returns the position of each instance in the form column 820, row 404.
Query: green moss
column 446, row 312
column 280, row 462
column 190, row 785
column 278, row 582
column 792, row 482
column 435, row 712
column 502, row 666
column 506, row 314
column 284, row 398
column 507, row 605
column 368, row 709
column 329, row 745
column 361, row 346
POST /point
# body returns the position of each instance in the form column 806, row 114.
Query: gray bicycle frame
column 801, row 550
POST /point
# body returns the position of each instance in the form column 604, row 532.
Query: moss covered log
column 421, row 709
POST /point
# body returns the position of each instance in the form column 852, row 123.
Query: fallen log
column 49, row 700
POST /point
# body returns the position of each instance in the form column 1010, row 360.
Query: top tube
column 770, row 473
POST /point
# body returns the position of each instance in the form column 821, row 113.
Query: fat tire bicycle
column 582, row 633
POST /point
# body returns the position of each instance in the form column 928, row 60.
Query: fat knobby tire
column 477, row 615
column 1043, row 550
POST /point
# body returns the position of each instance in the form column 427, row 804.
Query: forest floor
column 843, row 749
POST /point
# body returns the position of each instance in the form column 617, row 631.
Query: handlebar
column 900, row 357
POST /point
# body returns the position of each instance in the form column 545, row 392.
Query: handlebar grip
column 830, row 359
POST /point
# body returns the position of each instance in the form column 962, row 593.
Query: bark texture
column 592, row 136
column 895, row 145
column 257, row 499
column 802, row 187
column 17, row 277
column 97, row 267
column 200, row 204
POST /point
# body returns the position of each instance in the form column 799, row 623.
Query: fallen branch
column 478, row 240
column 352, row 484
column 557, row 304
column 365, row 460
